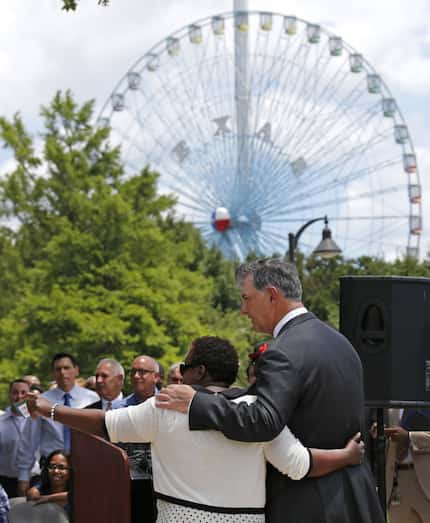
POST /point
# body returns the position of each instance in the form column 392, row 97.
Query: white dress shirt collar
column 288, row 317
column 60, row 392
column 79, row 396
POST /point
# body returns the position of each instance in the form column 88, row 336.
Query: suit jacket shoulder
column 95, row 405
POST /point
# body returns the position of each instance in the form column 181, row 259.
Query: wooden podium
column 101, row 481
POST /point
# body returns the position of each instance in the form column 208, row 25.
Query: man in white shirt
column 203, row 476
column 47, row 435
column 11, row 426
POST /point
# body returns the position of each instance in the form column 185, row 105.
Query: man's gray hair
column 174, row 366
column 116, row 365
column 272, row 272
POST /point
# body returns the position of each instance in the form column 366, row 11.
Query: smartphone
column 20, row 408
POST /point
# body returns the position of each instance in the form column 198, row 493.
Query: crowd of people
column 286, row 449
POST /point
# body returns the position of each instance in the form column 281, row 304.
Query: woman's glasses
column 54, row 466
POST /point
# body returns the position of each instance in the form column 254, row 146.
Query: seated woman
column 54, row 481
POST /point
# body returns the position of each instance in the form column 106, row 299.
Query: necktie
column 66, row 430
column 109, row 405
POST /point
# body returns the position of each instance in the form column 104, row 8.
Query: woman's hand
column 38, row 405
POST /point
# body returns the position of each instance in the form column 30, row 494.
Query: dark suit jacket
column 310, row 378
column 97, row 405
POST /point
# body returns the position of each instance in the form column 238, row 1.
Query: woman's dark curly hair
column 218, row 356
column 45, row 485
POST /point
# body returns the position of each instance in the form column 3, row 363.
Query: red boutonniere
column 258, row 352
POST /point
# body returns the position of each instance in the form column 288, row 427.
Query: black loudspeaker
column 387, row 320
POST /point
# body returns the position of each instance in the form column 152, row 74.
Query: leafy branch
column 71, row 5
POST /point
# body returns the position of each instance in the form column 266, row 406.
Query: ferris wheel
column 258, row 122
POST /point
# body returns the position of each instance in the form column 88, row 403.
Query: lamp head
column 327, row 248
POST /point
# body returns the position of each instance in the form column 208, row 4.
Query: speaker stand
column 380, row 459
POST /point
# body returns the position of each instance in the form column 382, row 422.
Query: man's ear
column 273, row 293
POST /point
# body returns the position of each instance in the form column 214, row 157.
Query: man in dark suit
column 310, row 378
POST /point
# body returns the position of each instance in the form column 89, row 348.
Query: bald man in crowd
column 144, row 374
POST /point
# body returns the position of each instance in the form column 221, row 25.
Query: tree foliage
column 72, row 5
column 94, row 262
column 321, row 279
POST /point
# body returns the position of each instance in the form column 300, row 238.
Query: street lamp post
column 327, row 247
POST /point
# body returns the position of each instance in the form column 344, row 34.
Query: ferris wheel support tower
column 241, row 44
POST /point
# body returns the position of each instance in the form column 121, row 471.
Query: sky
column 44, row 49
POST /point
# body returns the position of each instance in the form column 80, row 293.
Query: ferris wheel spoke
column 280, row 217
column 171, row 126
column 350, row 160
column 292, row 84
column 297, row 101
column 161, row 116
column 192, row 205
column 327, row 139
column 351, row 176
column 350, row 101
column 316, row 73
column 282, row 75
column 264, row 107
column 272, row 244
column 269, row 71
column 327, row 170
column 327, row 186
column 338, row 145
column 297, row 110
column 347, row 153
column 320, row 128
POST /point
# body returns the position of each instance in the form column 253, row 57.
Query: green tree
column 321, row 279
column 96, row 261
